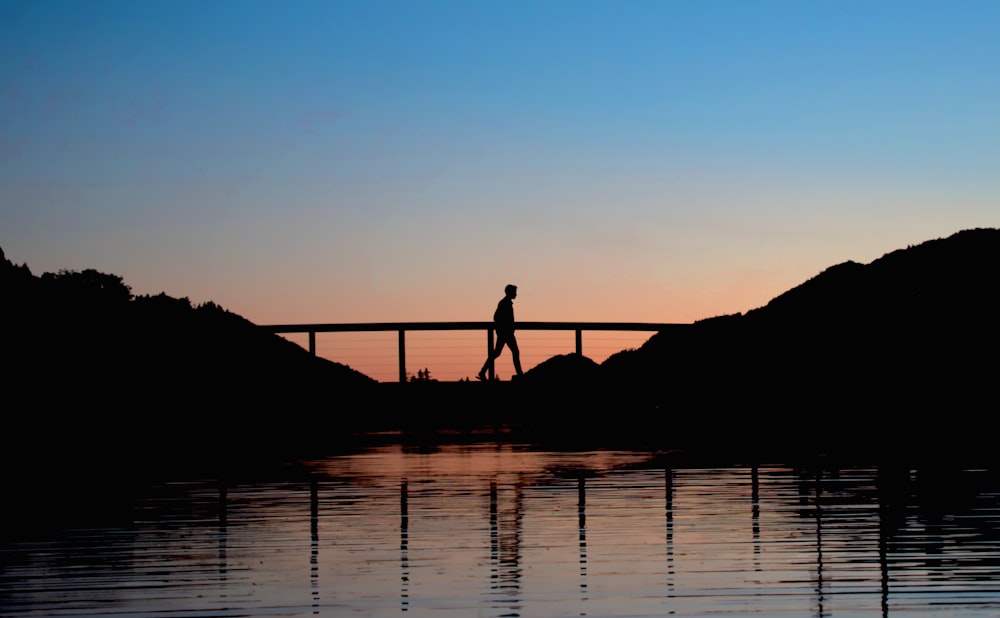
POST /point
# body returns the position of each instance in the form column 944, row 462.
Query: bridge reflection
column 505, row 529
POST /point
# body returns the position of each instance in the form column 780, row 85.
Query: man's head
column 510, row 290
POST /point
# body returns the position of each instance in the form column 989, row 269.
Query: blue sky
column 342, row 161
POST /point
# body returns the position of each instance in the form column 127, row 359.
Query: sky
column 309, row 161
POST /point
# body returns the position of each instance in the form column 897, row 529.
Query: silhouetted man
column 503, row 323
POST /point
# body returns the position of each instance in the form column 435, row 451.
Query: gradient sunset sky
column 359, row 161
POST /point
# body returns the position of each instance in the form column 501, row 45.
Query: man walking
column 503, row 323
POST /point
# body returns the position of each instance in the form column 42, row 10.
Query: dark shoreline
column 56, row 470
column 875, row 426
column 113, row 444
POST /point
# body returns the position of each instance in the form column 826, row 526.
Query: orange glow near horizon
column 456, row 355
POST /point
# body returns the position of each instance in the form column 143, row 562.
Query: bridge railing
column 488, row 327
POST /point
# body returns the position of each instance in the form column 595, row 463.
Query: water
column 507, row 530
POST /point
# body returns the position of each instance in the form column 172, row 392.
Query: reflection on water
column 498, row 530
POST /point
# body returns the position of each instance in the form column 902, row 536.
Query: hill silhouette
column 95, row 372
column 85, row 338
column 925, row 312
column 904, row 346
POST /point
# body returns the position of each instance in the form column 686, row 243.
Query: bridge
column 487, row 327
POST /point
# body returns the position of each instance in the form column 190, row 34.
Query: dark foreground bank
column 60, row 467
column 139, row 440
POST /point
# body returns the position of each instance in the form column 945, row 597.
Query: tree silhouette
column 89, row 286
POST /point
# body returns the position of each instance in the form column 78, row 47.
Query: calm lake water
column 508, row 530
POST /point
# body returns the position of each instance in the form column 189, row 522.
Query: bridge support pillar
column 489, row 353
column 402, row 355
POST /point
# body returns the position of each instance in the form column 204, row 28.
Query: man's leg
column 490, row 358
column 514, row 352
